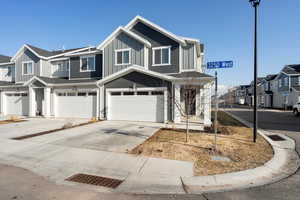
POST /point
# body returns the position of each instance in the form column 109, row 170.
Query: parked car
column 296, row 109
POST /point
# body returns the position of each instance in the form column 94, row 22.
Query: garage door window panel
column 122, row 56
column 128, row 93
column 87, row 63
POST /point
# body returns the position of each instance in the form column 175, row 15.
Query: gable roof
column 138, row 18
column 60, row 81
column 4, row 59
column 45, row 54
column 271, row 77
column 132, row 69
column 119, row 30
column 291, row 69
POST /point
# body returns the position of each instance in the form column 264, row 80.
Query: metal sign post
column 216, row 108
column 217, row 65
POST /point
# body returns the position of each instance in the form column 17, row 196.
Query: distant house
column 288, row 87
column 241, row 94
column 267, row 88
column 250, row 92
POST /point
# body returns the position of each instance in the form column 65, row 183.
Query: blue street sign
column 219, row 64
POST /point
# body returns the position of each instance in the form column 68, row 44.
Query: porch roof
column 61, row 81
column 192, row 78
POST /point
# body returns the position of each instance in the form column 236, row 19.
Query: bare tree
column 188, row 108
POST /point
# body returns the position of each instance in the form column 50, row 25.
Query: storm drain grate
column 95, row 180
column 276, row 137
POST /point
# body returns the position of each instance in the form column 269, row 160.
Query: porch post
column 102, row 103
column 47, row 100
column 198, row 102
column 2, row 103
column 177, row 104
column 166, row 109
column 207, row 104
column 32, row 102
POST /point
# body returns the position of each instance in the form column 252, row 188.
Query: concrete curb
column 284, row 163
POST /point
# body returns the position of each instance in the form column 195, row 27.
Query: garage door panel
column 17, row 105
column 76, row 106
column 136, row 108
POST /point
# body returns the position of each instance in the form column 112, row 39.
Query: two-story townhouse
column 139, row 72
column 7, row 69
column 250, row 92
column 240, row 96
column 288, row 86
column 267, row 90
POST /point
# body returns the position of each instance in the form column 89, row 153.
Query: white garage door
column 17, row 104
column 76, row 105
column 138, row 106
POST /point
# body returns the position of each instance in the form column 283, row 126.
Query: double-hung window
column 61, row 66
column 122, row 56
column 87, row 63
column 161, row 55
column 27, row 68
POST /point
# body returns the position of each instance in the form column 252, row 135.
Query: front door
column 190, row 101
column 39, row 97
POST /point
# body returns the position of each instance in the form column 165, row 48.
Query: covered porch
column 192, row 99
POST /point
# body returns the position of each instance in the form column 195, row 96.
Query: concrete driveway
column 34, row 125
column 114, row 136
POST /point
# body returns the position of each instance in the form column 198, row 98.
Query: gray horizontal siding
column 188, row 61
column 122, row 41
column 26, row 56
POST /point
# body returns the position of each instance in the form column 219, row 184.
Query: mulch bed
column 234, row 142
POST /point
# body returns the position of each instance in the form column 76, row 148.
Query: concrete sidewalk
column 142, row 174
column 35, row 125
column 58, row 163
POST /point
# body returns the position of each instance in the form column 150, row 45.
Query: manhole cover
column 95, row 180
column 276, row 137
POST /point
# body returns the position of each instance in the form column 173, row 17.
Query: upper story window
column 122, row 56
column 286, row 81
column 161, row 55
column 27, row 68
column 87, row 63
column 61, row 66
column 279, row 83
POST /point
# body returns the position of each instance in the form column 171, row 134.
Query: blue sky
column 225, row 27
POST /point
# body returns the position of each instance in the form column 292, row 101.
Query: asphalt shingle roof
column 46, row 53
column 292, row 69
column 4, row 59
column 192, row 74
column 65, row 80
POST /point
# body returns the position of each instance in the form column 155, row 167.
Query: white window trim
column 26, row 62
column 122, row 50
column 153, row 55
column 87, row 70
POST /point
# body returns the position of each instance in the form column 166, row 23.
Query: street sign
column 219, row 64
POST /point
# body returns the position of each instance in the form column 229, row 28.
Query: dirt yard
column 11, row 121
column 234, row 142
